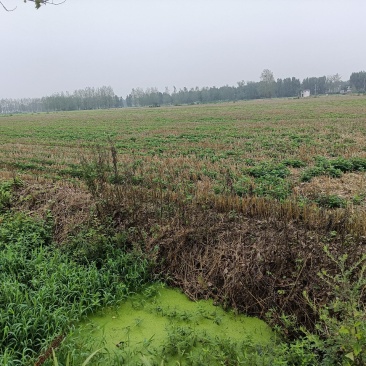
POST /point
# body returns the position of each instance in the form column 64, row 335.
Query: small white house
column 305, row 93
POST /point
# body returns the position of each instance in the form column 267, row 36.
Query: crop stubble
column 189, row 195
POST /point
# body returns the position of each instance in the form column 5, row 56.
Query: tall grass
column 43, row 291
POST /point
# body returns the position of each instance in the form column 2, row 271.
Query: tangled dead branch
column 37, row 3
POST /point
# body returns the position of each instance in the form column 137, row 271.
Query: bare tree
column 267, row 84
column 334, row 83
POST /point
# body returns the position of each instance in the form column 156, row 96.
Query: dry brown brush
column 251, row 253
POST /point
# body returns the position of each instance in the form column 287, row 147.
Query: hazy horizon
column 175, row 43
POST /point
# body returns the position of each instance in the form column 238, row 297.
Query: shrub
column 5, row 198
column 269, row 169
column 6, row 189
column 359, row 164
column 331, row 201
column 309, row 173
column 243, row 186
column 333, row 168
column 272, row 186
column 342, row 164
column 295, row 163
column 340, row 333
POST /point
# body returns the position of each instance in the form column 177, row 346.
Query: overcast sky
column 145, row 43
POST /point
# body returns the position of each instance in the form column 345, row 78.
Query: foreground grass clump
column 43, row 292
column 333, row 167
column 340, row 333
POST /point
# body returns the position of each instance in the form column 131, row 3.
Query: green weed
column 340, row 334
column 43, row 291
column 331, row 201
column 333, row 167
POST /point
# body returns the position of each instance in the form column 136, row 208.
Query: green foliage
column 87, row 246
column 333, row 168
column 195, row 348
column 358, row 80
column 6, row 190
column 294, row 163
column 272, row 186
column 331, row 201
column 309, row 173
column 323, row 166
column 358, row 199
column 269, row 169
column 5, row 197
column 358, row 163
column 21, row 230
column 43, row 291
column 243, row 187
column 342, row 164
column 269, row 181
column 340, row 334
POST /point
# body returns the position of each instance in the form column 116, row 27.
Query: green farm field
column 222, row 149
column 258, row 205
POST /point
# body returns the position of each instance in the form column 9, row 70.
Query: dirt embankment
column 254, row 259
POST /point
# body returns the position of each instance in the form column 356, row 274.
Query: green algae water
column 162, row 326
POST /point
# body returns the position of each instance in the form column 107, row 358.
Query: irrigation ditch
column 299, row 267
column 256, row 263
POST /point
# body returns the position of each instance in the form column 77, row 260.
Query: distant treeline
column 83, row 99
column 267, row 87
column 104, row 97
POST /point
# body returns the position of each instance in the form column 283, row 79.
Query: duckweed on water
column 164, row 325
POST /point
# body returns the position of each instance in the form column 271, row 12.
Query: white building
column 305, row 93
